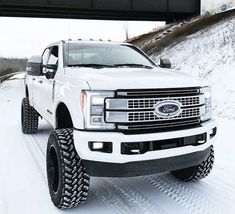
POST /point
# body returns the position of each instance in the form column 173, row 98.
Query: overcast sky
column 23, row 37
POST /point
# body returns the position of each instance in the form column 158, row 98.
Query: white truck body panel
column 131, row 78
column 82, row 138
column 46, row 94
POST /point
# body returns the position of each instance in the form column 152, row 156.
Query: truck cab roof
column 91, row 42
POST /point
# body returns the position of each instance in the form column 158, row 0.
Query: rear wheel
column 29, row 118
column 198, row 172
column 67, row 178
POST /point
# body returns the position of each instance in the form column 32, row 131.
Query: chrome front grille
column 151, row 116
column 135, row 109
column 150, row 103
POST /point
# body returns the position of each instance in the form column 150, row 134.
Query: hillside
column 171, row 34
column 207, row 53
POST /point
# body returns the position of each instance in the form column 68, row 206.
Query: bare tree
column 126, row 29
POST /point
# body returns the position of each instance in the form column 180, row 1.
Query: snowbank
column 19, row 76
column 210, row 55
column 215, row 6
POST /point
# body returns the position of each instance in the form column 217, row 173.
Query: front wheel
column 67, row 178
column 29, row 118
column 198, row 172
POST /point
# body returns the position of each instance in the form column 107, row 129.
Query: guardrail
column 7, row 76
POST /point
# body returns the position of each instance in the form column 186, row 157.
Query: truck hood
column 132, row 78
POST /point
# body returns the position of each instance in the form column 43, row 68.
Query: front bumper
column 139, row 168
column 81, row 139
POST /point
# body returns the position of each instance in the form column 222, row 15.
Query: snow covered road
column 23, row 184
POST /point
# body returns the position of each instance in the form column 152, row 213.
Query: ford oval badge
column 168, row 109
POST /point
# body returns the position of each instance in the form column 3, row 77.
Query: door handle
column 33, row 79
column 40, row 81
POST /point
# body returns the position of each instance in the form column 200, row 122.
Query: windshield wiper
column 133, row 65
column 91, row 65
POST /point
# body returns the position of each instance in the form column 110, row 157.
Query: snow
column 215, row 6
column 210, row 55
column 23, row 181
column 19, row 76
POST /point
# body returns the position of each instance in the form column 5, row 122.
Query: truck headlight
column 208, row 103
column 93, row 109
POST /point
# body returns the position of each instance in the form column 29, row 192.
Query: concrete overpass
column 152, row 10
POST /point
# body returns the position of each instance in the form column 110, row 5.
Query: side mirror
column 34, row 66
column 50, row 74
column 51, row 66
column 165, row 63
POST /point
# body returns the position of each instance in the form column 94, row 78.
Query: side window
column 53, row 56
column 45, row 57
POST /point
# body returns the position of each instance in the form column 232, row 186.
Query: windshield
column 88, row 54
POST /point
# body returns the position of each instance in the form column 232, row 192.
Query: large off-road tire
column 29, row 118
column 198, row 172
column 67, row 178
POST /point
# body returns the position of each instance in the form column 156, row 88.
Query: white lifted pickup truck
column 115, row 113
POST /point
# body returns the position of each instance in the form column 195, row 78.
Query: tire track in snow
column 39, row 140
column 36, row 153
column 215, row 194
column 121, row 198
column 2, row 207
column 218, row 189
column 230, row 170
column 37, row 156
column 182, row 195
column 225, row 191
column 227, row 180
column 105, row 192
column 224, row 183
column 41, row 150
column 139, row 202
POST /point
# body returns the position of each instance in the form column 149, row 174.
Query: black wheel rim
column 53, row 170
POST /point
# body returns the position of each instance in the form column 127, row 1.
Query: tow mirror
column 34, row 66
column 165, row 63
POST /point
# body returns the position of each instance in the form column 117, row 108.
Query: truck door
column 49, row 84
column 41, row 85
column 33, row 69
